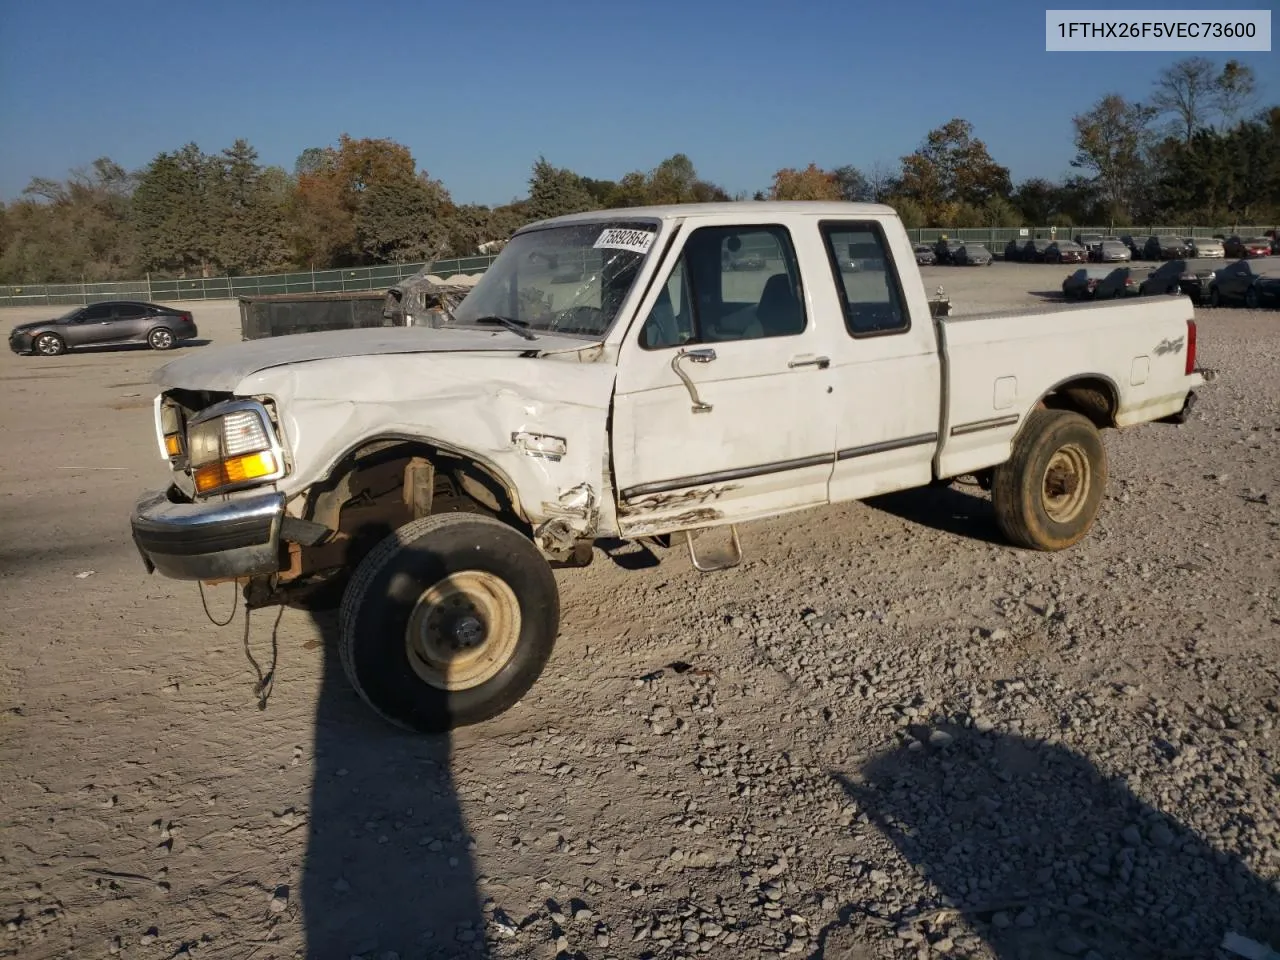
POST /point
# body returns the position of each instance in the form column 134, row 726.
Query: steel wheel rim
column 1066, row 482
column 162, row 339
column 47, row 345
column 463, row 630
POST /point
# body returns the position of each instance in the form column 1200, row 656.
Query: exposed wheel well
column 382, row 485
column 1091, row 396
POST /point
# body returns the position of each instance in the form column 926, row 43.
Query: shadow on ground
column 1046, row 857
column 388, row 867
column 951, row 509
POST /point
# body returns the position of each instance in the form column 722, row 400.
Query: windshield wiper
column 515, row 326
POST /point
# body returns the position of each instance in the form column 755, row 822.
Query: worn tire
column 49, row 345
column 1023, row 491
column 378, row 609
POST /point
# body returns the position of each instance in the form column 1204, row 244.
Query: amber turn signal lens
column 251, row 466
column 173, row 444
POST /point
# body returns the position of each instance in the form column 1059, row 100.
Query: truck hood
column 224, row 368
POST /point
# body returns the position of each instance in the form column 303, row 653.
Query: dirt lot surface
column 887, row 734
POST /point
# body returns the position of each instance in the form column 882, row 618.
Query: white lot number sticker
column 616, row 238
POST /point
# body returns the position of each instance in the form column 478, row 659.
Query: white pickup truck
column 613, row 375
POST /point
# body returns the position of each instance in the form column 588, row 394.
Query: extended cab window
column 730, row 283
column 866, row 278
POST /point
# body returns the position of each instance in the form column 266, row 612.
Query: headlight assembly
column 232, row 445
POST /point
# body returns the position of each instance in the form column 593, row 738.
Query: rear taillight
column 1191, row 347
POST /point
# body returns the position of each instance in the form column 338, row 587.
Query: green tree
column 172, row 212
column 556, row 191
column 405, row 220
column 1113, row 141
column 852, row 184
column 249, row 217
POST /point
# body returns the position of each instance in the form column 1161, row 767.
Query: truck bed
column 998, row 366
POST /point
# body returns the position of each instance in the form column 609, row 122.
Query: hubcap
column 1066, row 483
column 463, row 630
column 162, row 338
column 47, row 345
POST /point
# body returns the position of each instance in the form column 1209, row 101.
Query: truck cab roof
column 752, row 209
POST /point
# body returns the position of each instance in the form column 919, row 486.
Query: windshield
column 569, row 279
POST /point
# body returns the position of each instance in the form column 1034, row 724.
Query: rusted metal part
column 667, row 501
column 681, row 521
column 419, row 486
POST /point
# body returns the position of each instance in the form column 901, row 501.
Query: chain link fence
column 382, row 277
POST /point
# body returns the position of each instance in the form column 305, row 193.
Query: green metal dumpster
column 281, row 314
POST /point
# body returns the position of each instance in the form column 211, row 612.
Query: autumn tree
column 1112, row 141
column 811, row 183
column 952, row 167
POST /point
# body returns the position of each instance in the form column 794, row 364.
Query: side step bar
column 711, row 562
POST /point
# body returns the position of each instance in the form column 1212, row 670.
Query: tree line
column 1197, row 150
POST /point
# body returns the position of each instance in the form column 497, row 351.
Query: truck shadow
column 388, row 868
column 949, row 509
column 1043, row 855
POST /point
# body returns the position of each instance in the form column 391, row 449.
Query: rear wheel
column 161, row 338
column 50, row 345
column 448, row 621
column 1048, row 493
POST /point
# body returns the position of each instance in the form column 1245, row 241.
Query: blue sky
column 479, row 90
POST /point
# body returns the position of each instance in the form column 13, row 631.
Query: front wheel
column 1215, row 298
column 448, row 621
column 1251, row 298
column 50, row 345
column 1047, row 494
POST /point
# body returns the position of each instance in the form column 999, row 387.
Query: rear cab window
column 866, row 278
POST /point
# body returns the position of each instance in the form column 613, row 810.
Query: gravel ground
column 885, row 735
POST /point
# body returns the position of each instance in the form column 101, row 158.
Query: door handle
column 820, row 362
column 701, row 355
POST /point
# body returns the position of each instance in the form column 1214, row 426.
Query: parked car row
column 105, row 324
column 1242, row 282
column 961, row 253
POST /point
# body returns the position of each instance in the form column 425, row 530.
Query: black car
column 1099, row 283
column 108, row 323
column 1137, row 246
column 1166, row 248
column 1245, row 282
column 1034, row 252
column 1187, row 277
column 925, row 256
column 945, row 250
column 971, row 255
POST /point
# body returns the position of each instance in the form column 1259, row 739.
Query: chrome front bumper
column 219, row 539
